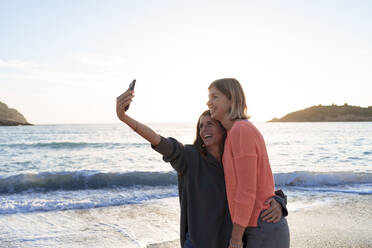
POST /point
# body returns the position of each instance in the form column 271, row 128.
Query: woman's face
column 218, row 104
column 211, row 131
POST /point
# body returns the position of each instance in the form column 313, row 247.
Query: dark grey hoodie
column 202, row 193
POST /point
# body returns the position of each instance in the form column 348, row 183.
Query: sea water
column 48, row 169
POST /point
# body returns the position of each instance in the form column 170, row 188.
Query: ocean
column 47, row 171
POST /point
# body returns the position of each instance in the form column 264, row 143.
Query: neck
column 227, row 123
column 215, row 151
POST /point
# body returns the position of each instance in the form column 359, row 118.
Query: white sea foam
column 306, row 178
column 28, row 202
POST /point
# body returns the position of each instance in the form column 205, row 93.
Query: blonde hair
column 232, row 89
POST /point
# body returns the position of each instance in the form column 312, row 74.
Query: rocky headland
column 11, row 117
column 329, row 113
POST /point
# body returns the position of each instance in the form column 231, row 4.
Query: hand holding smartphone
column 131, row 87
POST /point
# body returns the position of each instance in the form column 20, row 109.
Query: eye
column 213, row 96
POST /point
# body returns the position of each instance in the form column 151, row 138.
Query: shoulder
column 192, row 157
column 244, row 138
column 243, row 127
column 191, row 149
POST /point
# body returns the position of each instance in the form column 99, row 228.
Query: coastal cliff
column 11, row 117
column 330, row 113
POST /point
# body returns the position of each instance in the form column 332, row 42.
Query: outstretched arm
column 124, row 100
column 171, row 149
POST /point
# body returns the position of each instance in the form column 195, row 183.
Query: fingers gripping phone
column 131, row 87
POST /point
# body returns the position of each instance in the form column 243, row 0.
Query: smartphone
column 132, row 84
column 131, row 87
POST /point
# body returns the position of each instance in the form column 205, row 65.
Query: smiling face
column 218, row 104
column 210, row 131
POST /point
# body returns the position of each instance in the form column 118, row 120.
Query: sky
column 64, row 62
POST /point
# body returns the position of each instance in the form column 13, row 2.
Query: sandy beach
column 343, row 222
column 346, row 222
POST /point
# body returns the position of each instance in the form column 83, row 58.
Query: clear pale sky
column 66, row 61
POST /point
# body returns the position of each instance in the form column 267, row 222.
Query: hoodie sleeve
column 173, row 152
column 281, row 198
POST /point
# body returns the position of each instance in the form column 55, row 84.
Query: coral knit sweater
column 248, row 177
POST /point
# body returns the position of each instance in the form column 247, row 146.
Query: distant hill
column 11, row 117
column 330, row 113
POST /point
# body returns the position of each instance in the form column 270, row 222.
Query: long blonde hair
column 232, row 89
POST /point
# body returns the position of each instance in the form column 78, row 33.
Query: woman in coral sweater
column 205, row 220
column 248, row 177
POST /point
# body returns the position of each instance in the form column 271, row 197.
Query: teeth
column 207, row 136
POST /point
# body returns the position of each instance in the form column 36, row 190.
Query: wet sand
column 343, row 222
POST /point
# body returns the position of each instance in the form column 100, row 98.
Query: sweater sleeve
column 245, row 155
column 173, row 152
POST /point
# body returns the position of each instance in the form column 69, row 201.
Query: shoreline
column 342, row 222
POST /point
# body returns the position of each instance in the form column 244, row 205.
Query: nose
column 208, row 103
column 202, row 130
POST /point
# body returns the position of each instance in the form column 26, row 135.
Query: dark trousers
column 188, row 243
column 267, row 235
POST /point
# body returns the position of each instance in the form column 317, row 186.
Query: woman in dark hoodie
column 205, row 219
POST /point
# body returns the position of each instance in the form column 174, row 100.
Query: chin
column 213, row 115
column 210, row 143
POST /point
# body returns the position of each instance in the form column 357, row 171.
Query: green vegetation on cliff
column 330, row 113
column 11, row 117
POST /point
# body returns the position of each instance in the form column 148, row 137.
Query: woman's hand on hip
column 123, row 101
column 273, row 213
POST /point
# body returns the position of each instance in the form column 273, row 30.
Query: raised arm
column 124, row 100
column 171, row 149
